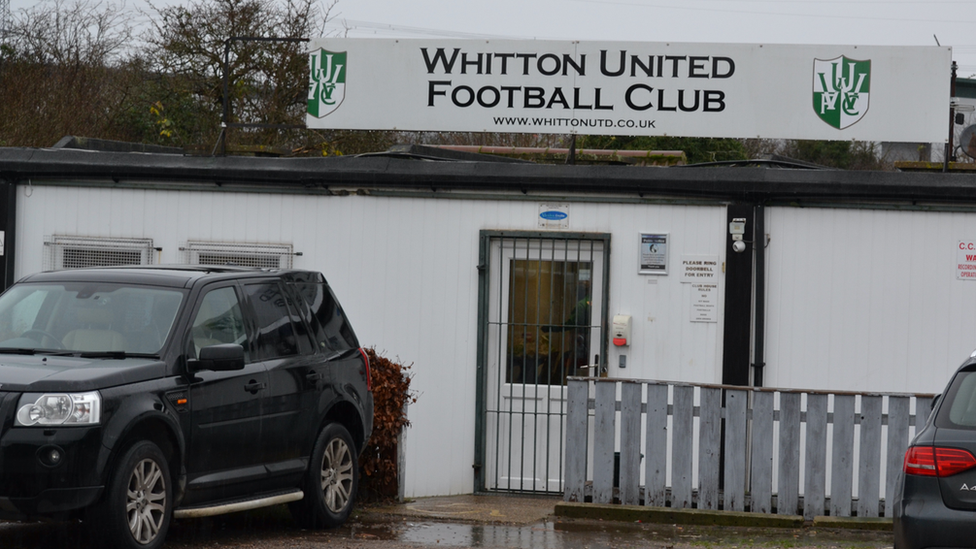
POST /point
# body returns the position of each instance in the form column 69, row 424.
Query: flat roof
column 406, row 173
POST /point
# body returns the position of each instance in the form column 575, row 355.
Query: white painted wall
column 666, row 344
column 866, row 300
column 405, row 271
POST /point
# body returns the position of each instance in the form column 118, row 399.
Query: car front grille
column 8, row 401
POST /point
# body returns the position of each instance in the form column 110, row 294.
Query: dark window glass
column 959, row 409
column 278, row 329
column 299, row 318
column 332, row 332
column 549, row 321
column 87, row 317
column 218, row 320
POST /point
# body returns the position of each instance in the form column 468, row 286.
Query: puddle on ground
column 274, row 528
column 577, row 534
column 547, row 535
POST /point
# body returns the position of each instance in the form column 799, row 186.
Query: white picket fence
column 762, row 450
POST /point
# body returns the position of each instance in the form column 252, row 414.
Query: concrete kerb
column 854, row 523
column 523, row 510
column 698, row 517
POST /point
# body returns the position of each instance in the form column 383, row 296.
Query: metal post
column 949, row 154
column 571, row 156
column 8, row 231
column 759, row 317
column 222, row 140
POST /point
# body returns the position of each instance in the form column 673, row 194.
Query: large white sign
column 631, row 88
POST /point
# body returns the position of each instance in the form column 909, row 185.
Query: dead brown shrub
column 378, row 461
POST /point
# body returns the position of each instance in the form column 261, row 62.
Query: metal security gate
column 542, row 318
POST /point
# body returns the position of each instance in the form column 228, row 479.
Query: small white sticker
column 553, row 216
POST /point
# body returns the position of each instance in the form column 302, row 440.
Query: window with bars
column 75, row 252
column 269, row 256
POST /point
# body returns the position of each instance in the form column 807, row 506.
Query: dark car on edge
column 129, row 396
column 935, row 504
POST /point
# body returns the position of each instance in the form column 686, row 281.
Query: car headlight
column 60, row 409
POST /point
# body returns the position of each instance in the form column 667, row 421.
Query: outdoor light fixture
column 737, row 228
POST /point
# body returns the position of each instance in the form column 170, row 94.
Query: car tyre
column 136, row 510
column 331, row 482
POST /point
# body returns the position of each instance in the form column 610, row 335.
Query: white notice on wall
column 704, row 302
column 553, row 216
column 3, row 238
column 966, row 260
column 699, row 268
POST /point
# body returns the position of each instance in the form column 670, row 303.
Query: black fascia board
column 738, row 183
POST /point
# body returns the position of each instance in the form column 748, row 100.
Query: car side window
column 219, row 320
column 280, row 330
column 958, row 410
column 332, row 331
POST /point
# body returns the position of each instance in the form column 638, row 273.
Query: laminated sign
column 874, row 93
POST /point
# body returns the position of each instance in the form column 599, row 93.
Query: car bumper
column 50, row 503
column 921, row 519
column 34, row 486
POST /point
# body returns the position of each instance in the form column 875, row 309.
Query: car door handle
column 313, row 376
column 254, row 386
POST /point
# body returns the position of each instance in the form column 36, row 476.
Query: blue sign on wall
column 553, row 215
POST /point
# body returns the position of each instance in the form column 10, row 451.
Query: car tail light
column 369, row 374
column 932, row 461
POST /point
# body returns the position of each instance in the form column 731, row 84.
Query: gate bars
column 536, row 432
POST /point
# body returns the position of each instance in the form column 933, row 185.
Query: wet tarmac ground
column 273, row 528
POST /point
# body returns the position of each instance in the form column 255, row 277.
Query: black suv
column 129, row 396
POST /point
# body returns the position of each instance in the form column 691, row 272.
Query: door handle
column 313, row 376
column 254, row 386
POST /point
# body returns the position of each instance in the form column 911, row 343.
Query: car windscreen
column 958, row 410
column 88, row 317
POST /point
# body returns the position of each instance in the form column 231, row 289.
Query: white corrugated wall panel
column 666, row 344
column 405, row 270
column 866, row 300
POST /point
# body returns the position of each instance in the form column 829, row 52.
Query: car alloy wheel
column 136, row 510
column 330, row 482
column 338, row 468
column 146, row 501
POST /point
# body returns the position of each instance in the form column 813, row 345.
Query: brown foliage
column 378, row 461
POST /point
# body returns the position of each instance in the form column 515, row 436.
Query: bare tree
column 268, row 79
column 72, row 34
column 66, row 71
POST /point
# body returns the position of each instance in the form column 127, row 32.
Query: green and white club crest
column 326, row 82
column 841, row 89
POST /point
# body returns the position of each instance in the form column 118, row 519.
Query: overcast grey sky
column 847, row 22
column 854, row 22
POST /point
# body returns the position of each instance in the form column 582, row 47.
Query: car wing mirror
column 223, row 357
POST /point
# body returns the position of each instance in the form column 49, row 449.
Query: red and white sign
column 966, row 260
